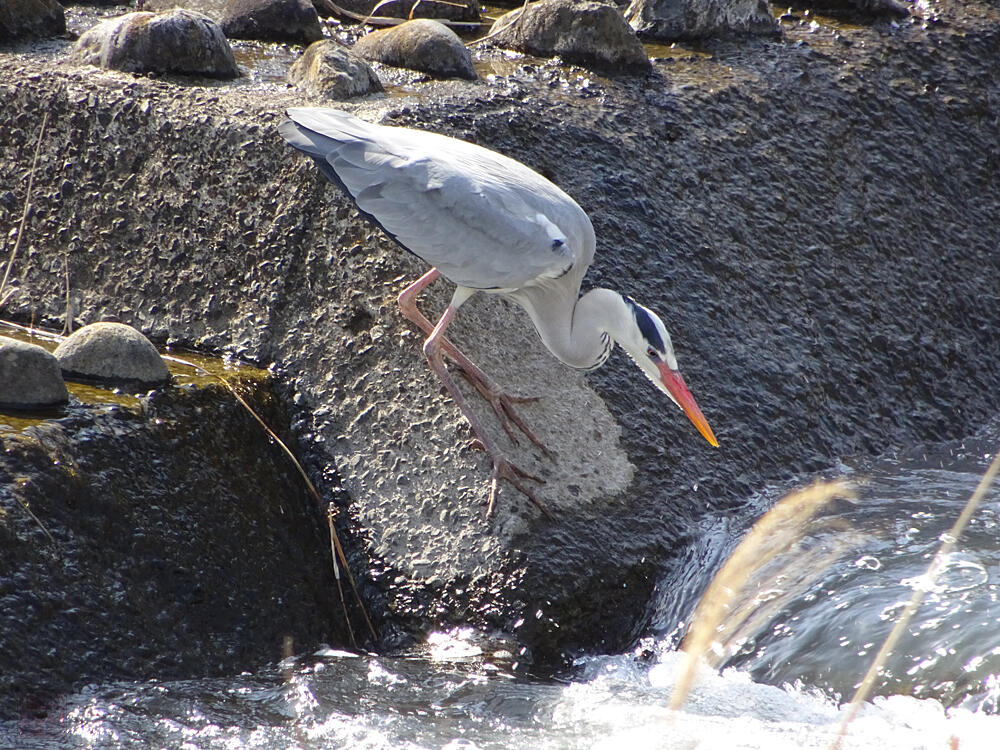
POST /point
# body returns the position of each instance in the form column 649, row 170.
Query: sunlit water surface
column 812, row 639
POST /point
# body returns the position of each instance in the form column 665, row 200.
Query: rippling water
column 811, row 641
column 828, row 636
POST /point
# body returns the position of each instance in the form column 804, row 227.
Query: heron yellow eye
column 652, row 353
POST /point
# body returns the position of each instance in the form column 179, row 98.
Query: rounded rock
column 423, row 45
column 29, row 376
column 112, row 352
column 211, row 8
column 682, row 20
column 293, row 21
column 178, row 41
column 586, row 33
column 31, row 18
column 330, row 70
column 451, row 10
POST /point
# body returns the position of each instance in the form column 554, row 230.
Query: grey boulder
column 586, row 33
column 330, row 70
column 112, row 352
column 424, row 45
column 178, row 41
column 29, row 376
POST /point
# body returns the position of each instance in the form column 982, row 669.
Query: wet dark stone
column 424, row 45
column 31, row 18
column 675, row 20
column 105, row 578
column 453, row 10
column 856, row 8
column 271, row 20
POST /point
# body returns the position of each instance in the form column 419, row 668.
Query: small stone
column 293, row 21
column 330, row 70
column 178, row 41
column 31, row 18
column 424, row 45
column 112, row 352
column 29, row 376
column 586, row 33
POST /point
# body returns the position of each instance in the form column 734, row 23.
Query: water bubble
column 961, row 575
column 868, row 562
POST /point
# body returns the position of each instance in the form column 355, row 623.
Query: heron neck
column 579, row 332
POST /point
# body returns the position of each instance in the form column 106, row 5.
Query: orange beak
column 676, row 387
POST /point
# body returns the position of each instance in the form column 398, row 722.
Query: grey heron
column 488, row 224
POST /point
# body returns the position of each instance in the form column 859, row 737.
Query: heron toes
column 504, row 469
column 503, row 407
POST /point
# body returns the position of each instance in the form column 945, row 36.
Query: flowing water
column 791, row 668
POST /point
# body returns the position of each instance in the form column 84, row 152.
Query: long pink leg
column 502, row 404
column 502, row 467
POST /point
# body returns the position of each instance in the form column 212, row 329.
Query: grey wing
column 460, row 208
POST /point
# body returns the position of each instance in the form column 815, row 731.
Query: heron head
column 647, row 342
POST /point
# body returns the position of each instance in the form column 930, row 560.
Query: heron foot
column 503, row 406
column 504, row 469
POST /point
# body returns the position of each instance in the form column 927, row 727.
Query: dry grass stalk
column 797, row 571
column 774, row 534
column 24, row 214
column 948, row 542
column 493, row 33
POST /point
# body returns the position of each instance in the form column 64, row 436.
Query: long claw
column 504, row 469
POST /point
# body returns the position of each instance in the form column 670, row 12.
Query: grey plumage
column 459, row 207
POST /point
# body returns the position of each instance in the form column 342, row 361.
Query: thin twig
column 68, row 321
column 37, row 520
column 331, row 513
column 24, row 214
column 33, row 332
column 493, row 32
column 336, row 10
column 948, row 542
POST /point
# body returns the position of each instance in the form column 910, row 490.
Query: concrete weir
column 814, row 216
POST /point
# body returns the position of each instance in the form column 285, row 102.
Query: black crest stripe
column 646, row 325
